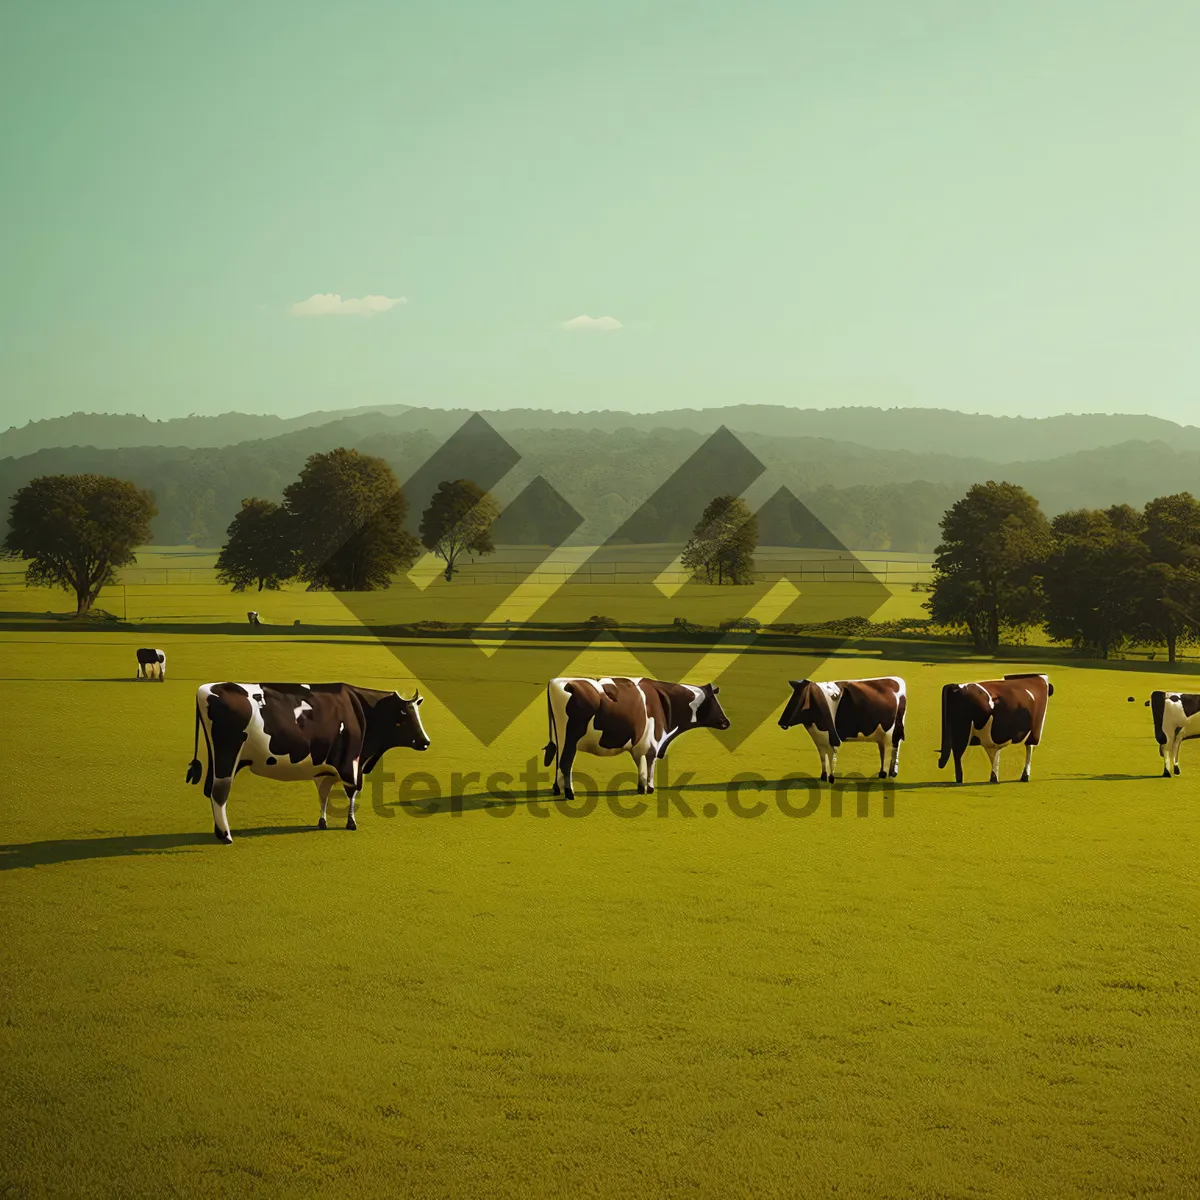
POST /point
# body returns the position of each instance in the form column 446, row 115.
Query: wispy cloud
column 329, row 304
column 587, row 324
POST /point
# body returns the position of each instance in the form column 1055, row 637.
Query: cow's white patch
column 301, row 709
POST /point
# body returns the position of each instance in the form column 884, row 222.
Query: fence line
column 840, row 570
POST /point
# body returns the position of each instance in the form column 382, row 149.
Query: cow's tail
column 550, row 753
column 195, row 767
column 947, row 741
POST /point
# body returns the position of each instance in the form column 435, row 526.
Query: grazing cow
column 1176, row 720
column 994, row 714
column 152, row 664
column 616, row 715
column 327, row 732
column 850, row 710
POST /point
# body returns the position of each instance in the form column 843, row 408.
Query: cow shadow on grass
column 63, row 850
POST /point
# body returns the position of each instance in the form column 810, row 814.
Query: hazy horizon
column 277, row 209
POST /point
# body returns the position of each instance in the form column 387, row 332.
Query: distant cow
column 616, row 715
column 1176, row 720
column 152, row 664
column 994, row 714
column 850, row 710
column 327, row 732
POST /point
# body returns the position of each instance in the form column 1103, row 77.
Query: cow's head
column 402, row 722
column 808, row 705
column 709, row 713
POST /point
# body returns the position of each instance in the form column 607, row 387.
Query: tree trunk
column 83, row 600
column 993, row 630
column 1172, row 641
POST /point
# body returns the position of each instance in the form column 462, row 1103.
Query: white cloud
column 593, row 324
column 329, row 304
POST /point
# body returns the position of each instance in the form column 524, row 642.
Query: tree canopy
column 346, row 513
column 986, row 573
column 721, row 548
column 259, row 548
column 458, row 521
column 76, row 530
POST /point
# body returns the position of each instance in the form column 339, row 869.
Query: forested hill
column 871, row 498
column 111, row 431
column 920, row 431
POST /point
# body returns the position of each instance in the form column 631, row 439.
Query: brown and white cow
column 327, row 732
column 850, row 710
column 618, row 715
column 1176, row 720
column 993, row 714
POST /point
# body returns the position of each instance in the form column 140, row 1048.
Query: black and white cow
column 1176, row 720
column 327, row 732
column 152, row 664
column 850, row 710
column 620, row 715
column 994, row 713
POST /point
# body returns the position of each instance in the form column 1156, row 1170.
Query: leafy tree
column 722, row 544
column 259, row 548
column 986, row 571
column 76, row 530
column 458, row 521
column 1170, row 593
column 1093, row 579
column 346, row 513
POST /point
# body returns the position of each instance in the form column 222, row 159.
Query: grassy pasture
column 991, row 992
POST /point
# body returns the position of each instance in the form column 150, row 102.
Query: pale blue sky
column 980, row 206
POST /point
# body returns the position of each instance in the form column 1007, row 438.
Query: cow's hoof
column 321, row 824
column 1166, row 772
column 994, row 779
column 641, row 789
column 1176, row 769
column 893, row 774
column 556, row 790
column 831, row 779
column 824, row 777
column 1024, row 778
column 351, row 823
column 882, row 774
column 649, row 791
column 222, row 836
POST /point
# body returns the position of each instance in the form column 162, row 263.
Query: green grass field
column 991, row 992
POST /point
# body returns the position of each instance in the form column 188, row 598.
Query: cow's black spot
column 272, row 761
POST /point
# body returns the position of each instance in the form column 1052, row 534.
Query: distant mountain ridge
column 117, row 431
column 915, row 430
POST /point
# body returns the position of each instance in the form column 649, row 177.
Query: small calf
column 152, row 664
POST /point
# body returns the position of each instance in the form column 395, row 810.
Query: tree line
column 1100, row 579
column 342, row 526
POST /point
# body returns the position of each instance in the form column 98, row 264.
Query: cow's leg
column 220, row 794
column 566, row 760
column 324, row 787
column 1028, row 762
column 642, row 773
column 651, row 767
column 883, row 749
column 139, row 670
column 958, row 771
column 1174, row 746
column 894, row 769
column 833, row 751
column 993, row 753
column 351, row 796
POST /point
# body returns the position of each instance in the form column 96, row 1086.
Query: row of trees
column 1097, row 578
column 342, row 526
